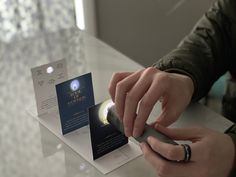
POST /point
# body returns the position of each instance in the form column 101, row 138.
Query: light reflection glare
column 103, row 110
column 50, row 69
column 59, row 146
column 79, row 10
column 82, row 166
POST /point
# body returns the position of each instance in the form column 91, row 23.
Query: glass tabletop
column 29, row 149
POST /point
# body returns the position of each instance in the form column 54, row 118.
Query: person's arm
column 208, row 51
column 232, row 133
column 211, row 153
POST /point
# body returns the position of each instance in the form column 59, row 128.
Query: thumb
column 181, row 133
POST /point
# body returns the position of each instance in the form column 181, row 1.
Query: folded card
column 104, row 137
column 74, row 97
column 45, row 77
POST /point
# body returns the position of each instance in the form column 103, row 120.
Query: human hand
column 143, row 89
column 212, row 153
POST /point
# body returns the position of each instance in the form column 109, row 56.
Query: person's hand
column 212, row 153
column 143, row 89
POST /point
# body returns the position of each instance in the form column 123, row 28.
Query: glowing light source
column 103, row 110
column 50, row 69
column 74, row 85
column 79, row 11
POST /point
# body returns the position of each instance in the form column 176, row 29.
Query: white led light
column 50, row 69
column 103, row 110
column 74, row 85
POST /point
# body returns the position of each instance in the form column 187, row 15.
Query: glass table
column 29, row 149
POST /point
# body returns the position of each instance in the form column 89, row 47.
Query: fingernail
column 149, row 139
column 127, row 132
column 135, row 133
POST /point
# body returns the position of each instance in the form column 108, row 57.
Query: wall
column 145, row 30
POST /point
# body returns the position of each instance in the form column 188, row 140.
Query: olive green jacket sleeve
column 207, row 52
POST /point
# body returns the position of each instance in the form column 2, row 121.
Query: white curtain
column 24, row 18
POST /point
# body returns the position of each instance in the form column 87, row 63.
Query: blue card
column 104, row 137
column 74, row 97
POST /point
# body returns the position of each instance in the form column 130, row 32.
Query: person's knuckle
column 145, row 103
column 162, row 77
column 150, row 70
column 116, row 76
column 110, row 88
column 131, row 96
column 120, row 86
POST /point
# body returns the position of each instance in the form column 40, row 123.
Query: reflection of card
column 45, row 77
column 74, row 97
column 104, row 137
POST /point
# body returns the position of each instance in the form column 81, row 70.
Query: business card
column 74, row 97
column 45, row 77
column 104, row 137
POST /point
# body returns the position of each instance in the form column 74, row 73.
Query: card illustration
column 74, row 97
column 44, row 79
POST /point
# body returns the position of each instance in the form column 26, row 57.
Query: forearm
column 206, row 53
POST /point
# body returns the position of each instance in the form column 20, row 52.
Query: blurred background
column 142, row 30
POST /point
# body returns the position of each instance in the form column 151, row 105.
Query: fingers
column 174, row 152
column 128, row 90
column 133, row 97
column 167, row 168
column 181, row 133
column 171, row 152
column 114, row 80
column 146, row 105
column 122, row 88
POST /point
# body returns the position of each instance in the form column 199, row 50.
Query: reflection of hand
column 212, row 153
column 145, row 88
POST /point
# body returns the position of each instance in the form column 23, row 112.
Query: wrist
column 187, row 82
column 190, row 85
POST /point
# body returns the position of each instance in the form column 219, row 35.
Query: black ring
column 187, row 152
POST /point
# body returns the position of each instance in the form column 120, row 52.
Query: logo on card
column 74, row 85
